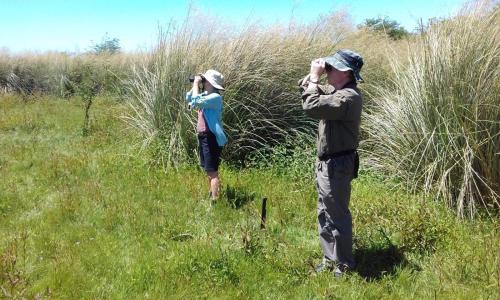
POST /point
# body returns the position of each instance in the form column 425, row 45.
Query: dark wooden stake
column 263, row 214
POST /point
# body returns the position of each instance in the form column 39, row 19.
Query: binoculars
column 328, row 67
column 191, row 78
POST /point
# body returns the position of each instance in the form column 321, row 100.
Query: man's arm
column 315, row 102
column 318, row 105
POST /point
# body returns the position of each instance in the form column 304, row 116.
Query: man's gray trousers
column 333, row 183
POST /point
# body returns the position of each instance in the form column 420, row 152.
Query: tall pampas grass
column 439, row 128
column 57, row 73
column 261, row 65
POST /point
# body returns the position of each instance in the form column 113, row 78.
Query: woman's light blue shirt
column 211, row 105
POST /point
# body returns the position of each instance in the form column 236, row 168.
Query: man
column 338, row 107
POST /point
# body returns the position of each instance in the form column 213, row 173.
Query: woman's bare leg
column 214, row 182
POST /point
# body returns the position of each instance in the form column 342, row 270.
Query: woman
column 209, row 128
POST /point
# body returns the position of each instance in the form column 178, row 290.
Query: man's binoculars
column 191, row 78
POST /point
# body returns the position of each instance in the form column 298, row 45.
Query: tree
column 107, row 45
column 390, row 27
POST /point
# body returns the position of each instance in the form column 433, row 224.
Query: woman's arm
column 212, row 101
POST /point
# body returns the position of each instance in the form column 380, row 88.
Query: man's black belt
column 337, row 154
column 342, row 153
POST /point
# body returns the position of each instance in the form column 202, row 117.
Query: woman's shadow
column 237, row 196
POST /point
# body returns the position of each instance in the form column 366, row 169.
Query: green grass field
column 90, row 217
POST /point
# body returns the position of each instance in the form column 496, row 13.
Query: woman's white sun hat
column 215, row 78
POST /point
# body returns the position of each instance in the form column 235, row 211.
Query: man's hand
column 317, row 69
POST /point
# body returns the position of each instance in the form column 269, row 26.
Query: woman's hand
column 196, row 85
column 317, row 69
column 197, row 80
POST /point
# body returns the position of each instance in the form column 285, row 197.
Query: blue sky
column 71, row 25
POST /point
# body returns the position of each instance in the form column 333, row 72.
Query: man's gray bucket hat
column 346, row 60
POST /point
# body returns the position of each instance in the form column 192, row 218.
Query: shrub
column 107, row 45
column 390, row 27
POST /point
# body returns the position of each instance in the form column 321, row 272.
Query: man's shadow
column 373, row 263
column 377, row 261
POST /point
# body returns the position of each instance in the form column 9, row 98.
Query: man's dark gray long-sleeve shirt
column 339, row 112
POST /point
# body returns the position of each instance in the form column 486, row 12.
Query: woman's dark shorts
column 209, row 151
